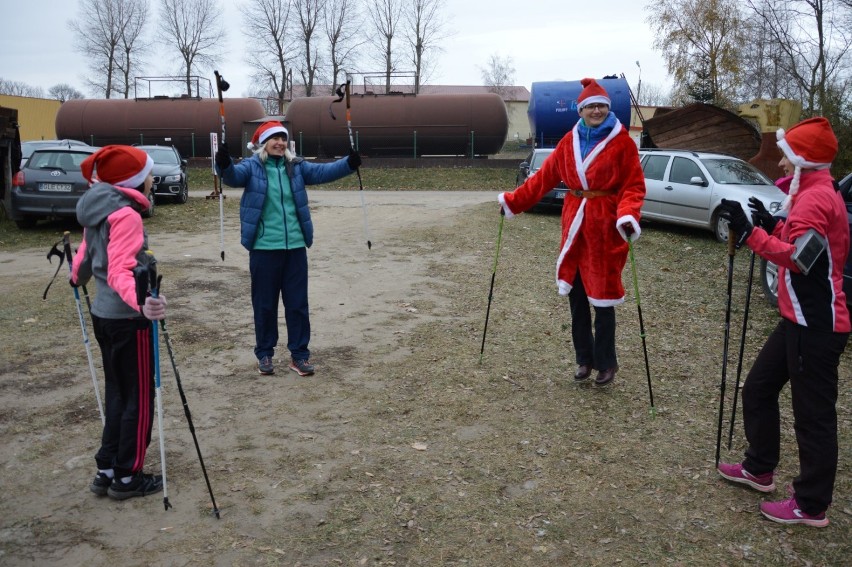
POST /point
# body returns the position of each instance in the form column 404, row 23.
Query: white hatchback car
column 686, row 188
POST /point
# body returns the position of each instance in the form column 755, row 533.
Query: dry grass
column 508, row 462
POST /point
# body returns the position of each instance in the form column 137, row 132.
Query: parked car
column 686, row 188
column 170, row 179
column 27, row 148
column 49, row 184
column 769, row 271
column 554, row 198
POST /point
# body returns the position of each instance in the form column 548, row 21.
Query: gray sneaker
column 265, row 367
column 301, row 367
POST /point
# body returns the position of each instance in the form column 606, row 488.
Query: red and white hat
column 266, row 131
column 810, row 144
column 592, row 93
column 118, row 165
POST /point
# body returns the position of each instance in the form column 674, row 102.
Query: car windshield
column 538, row 158
column 734, row 172
column 68, row 161
column 164, row 156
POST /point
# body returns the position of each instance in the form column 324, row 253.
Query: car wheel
column 26, row 222
column 720, row 227
column 149, row 212
column 769, row 281
column 182, row 195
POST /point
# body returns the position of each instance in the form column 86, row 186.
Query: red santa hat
column 118, row 165
column 810, row 144
column 266, row 131
column 592, row 93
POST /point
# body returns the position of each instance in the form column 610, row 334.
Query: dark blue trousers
column 284, row 274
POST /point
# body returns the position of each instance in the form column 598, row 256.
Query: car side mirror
column 525, row 167
column 183, row 162
column 697, row 181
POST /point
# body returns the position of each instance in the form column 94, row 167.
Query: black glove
column 760, row 216
column 628, row 229
column 354, row 160
column 223, row 159
column 733, row 212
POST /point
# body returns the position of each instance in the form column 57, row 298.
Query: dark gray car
column 170, row 179
column 49, row 185
column 554, row 198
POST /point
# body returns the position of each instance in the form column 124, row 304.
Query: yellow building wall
column 36, row 116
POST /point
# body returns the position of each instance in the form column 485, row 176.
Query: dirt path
column 268, row 443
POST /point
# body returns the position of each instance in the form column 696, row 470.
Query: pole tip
column 369, row 245
column 223, row 255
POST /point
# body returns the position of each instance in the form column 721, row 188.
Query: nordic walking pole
column 186, row 407
column 66, row 243
column 343, row 91
column 732, row 246
column 146, row 279
column 641, row 325
column 493, row 276
column 742, row 348
column 221, row 85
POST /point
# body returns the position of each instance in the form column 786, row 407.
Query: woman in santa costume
column 805, row 347
column 599, row 163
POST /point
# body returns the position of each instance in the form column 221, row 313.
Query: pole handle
column 732, row 241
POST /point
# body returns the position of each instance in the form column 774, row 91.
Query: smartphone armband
column 809, row 247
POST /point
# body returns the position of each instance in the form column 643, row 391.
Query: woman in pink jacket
column 805, row 347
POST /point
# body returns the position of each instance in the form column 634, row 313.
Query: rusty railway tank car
column 185, row 123
column 400, row 125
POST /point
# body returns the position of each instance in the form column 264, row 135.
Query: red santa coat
column 592, row 240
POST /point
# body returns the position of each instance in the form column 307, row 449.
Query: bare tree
column 63, row 92
column 341, row 31
column 384, row 16
column 701, row 42
column 309, row 14
column 499, row 74
column 17, row 88
column 194, row 30
column 267, row 25
column 130, row 47
column 99, row 34
column 814, row 38
column 424, row 30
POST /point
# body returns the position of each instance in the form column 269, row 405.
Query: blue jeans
column 284, row 274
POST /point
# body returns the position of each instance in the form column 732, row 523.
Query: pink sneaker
column 736, row 473
column 788, row 512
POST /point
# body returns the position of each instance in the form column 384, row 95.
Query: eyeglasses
column 600, row 106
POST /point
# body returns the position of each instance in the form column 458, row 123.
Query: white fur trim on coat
column 502, row 198
column 636, row 230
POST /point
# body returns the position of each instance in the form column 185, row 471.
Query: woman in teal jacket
column 276, row 229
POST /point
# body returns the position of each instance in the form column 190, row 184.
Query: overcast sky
column 546, row 39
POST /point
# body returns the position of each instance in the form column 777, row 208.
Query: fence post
column 415, row 144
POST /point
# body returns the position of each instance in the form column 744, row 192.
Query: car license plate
column 560, row 194
column 56, row 187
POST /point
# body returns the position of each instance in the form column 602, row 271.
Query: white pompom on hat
column 810, row 144
column 266, row 131
column 118, row 165
column 592, row 93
